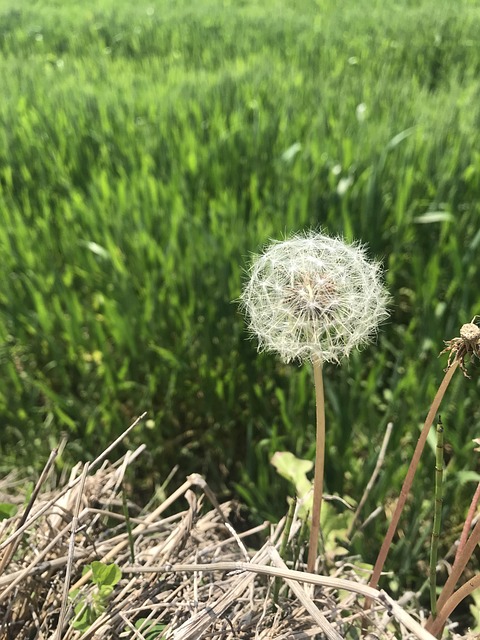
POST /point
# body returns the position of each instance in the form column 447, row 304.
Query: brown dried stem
column 407, row 484
column 452, row 603
column 468, row 522
column 14, row 542
column 446, row 601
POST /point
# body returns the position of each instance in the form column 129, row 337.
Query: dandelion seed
column 314, row 297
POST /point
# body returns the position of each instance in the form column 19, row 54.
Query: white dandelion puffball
column 314, row 297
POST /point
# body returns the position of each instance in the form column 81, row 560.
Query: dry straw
column 192, row 576
column 316, row 298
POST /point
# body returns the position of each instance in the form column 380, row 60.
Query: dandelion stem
column 319, row 466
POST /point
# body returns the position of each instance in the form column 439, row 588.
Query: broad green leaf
column 7, row 510
column 150, row 629
column 105, row 574
column 84, row 617
column 293, row 469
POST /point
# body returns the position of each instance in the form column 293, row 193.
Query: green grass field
column 147, row 149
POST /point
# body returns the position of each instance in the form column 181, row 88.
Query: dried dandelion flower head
column 314, row 297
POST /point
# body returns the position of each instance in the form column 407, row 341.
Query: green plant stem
column 437, row 518
column 319, row 467
column 407, row 483
column 288, row 527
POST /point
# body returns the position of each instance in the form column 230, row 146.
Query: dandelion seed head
column 314, row 297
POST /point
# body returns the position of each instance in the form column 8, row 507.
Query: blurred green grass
column 146, row 150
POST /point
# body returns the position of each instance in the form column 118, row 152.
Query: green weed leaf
column 293, row 469
column 7, row 510
column 150, row 629
column 105, row 575
column 84, row 617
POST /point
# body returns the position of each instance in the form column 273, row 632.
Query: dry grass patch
column 177, row 570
